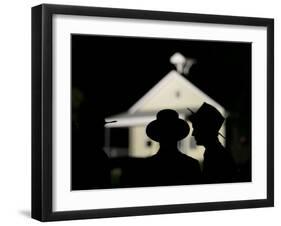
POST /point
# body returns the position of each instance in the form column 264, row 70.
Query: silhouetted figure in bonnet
column 218, row 164
column 169, row 166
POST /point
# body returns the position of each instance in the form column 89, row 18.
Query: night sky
column 114, row 72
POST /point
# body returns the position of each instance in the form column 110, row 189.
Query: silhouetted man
column 169, row 166
column 218, row 164
column 90, row 164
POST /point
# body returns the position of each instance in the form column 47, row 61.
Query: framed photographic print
column 144, row 112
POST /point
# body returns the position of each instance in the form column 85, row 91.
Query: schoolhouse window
column 178, row 94
column 148, row 143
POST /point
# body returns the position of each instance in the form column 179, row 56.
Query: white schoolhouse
column 173, row 91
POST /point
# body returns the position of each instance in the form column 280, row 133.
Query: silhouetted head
column 206, row 123
column 168, row 127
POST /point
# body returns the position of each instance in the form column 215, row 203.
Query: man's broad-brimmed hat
column 207, row 117
column 167, row 125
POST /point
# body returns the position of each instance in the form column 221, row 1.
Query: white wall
column 15, row 113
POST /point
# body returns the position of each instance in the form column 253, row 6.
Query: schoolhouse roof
column 173, row 75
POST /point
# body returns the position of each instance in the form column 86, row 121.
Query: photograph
column 139, row 112
column 159, row 111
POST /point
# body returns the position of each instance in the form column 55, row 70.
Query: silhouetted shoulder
column 188, row 158
column 176, row 162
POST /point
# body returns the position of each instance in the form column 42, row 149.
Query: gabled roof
column 163, row 82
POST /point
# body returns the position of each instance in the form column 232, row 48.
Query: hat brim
column 179, row 129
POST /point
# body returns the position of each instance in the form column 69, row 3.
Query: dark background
column 117, row 71
column 114, row 72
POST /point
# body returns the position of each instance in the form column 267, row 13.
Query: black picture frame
column 42, row 106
